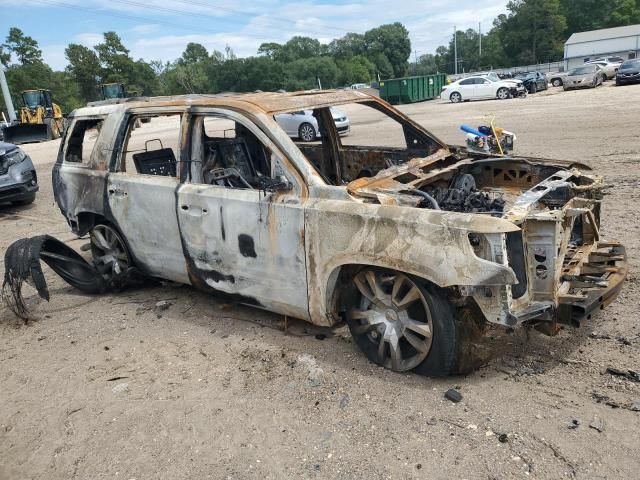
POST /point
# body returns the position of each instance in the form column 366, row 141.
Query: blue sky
column 160, row 29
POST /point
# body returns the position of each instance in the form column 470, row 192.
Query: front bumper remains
column 592, row 279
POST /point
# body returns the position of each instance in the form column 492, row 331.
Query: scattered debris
column 344, row 401
column 604, row 336
column 162, row 305
column 503, row 438
column 113, row 379
column 628, row 374
column 120, row 388
column 320, row 336
column 597, row 424
column 453, row 395
column 635, row 407
column 316, row 374
column 575, row 423
column 432, row 421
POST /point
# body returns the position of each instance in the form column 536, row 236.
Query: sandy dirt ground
column 110, row 387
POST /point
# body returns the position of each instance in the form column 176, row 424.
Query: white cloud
column 54, row 56
column 88, row 39
column 246, row 26
column 145, row 29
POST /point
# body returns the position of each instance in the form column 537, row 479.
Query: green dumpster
column 412, row 89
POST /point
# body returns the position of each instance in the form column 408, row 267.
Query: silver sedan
column 587, row 76
column 303, row 124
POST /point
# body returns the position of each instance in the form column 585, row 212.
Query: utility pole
column 480, row 38
column 455, row 49
column 415, row 52
column 7, row 96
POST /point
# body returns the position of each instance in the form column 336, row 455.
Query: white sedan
column 609, row 69
column 481, row 88
column 304, row 126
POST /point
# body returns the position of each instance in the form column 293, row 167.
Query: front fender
column 430, row 244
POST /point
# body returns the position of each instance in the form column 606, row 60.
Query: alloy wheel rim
column 394, row 316
column 109, row 253
column 307, row 133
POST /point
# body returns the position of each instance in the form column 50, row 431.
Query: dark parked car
column 533, row 81
column 18, row 181
column 629, row 72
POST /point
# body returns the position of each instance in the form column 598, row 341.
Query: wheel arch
column 338, row 287
column 85, row 221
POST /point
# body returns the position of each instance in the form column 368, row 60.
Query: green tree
column 5, row 56
column 271, row 50
column 84, row 68
column 356, row 69
column 303, row 74
column 393, row 42
column 534, row 31
column 350, row 45
column 195, row 53
column 23, row 47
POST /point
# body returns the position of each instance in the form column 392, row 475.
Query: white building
column 584, row 46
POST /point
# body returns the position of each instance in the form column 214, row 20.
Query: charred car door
column 141, row 191
column 241, row 215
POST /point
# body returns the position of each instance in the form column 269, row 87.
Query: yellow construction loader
column 40, row 119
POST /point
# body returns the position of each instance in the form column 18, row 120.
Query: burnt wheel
column 401, row 325
column 307, row 132
column 110, row 255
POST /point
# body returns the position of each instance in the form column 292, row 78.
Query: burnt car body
column 413, row 245
column 18, row 179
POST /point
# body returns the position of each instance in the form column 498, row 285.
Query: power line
column 137, row 17
column 228, row 20
column 288, row 21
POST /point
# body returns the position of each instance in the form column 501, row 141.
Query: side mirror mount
column 278, row 184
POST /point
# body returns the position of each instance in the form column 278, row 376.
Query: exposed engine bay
column 462, row 195
column 476, row 184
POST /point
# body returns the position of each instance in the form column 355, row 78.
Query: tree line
column 530, row 31
column 300, row 63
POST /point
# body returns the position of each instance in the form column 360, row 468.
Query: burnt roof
column 270, row 103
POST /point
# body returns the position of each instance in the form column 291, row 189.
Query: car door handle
column 116, row 192
column 193, row 210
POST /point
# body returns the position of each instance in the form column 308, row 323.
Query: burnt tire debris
column 22, row 262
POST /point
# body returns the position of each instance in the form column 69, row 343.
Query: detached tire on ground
column 402, row 323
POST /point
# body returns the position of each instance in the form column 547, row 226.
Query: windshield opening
column 581, row 71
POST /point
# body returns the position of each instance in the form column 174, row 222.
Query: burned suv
column 414, row 243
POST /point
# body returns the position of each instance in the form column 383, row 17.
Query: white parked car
column 303, row 124
column 482, row 87
column 608, row 68
column 610, row 59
